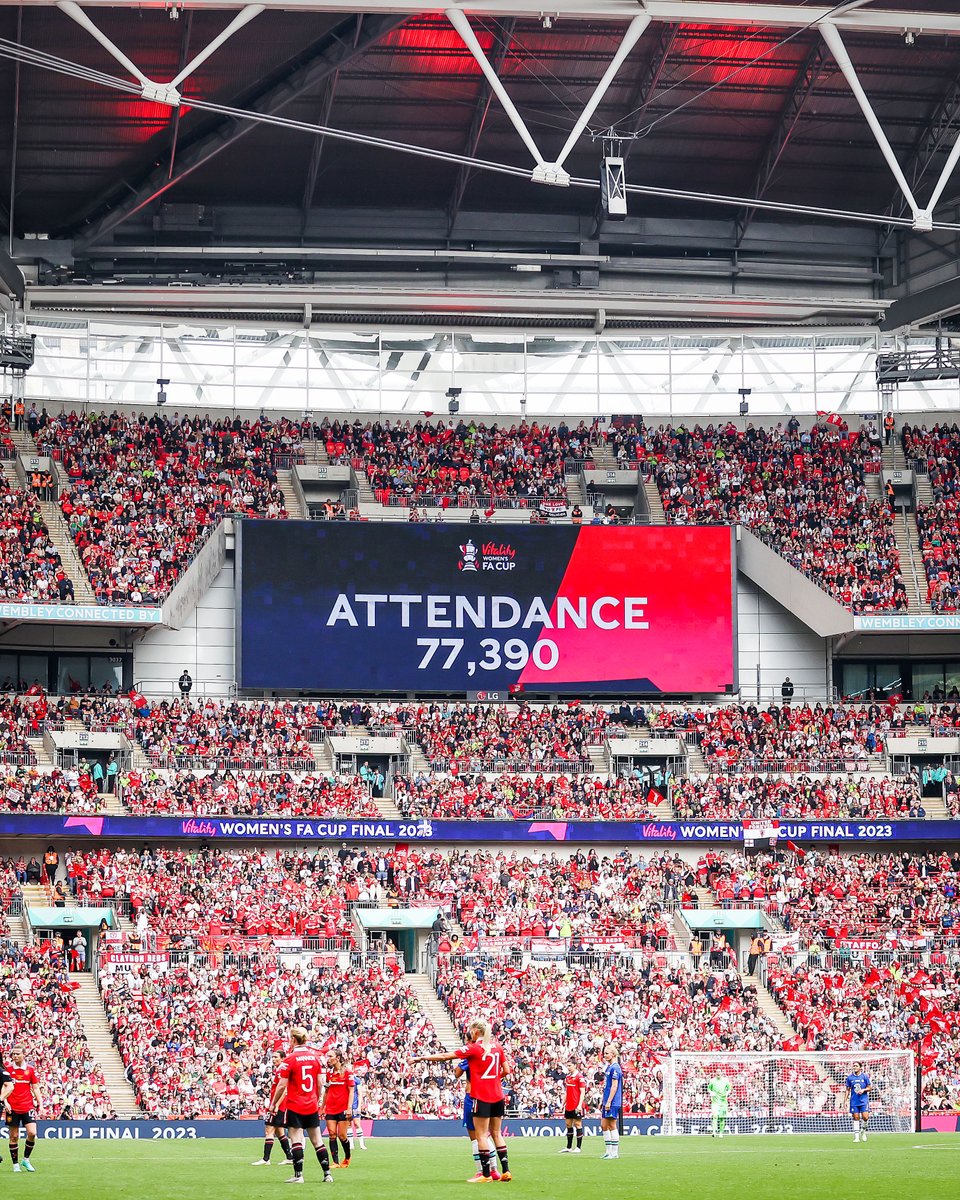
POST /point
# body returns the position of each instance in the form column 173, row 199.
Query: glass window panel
column 106, row 669
column 73, row 674
column 926, row 677
column 8, row 672
column 33, row 669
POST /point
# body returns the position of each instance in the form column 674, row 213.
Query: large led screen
column 373, row 607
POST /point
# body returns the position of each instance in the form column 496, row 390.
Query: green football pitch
column 926, row 1166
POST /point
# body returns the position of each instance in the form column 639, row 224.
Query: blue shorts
column 859, row 1104
column 468, row 1113
column 611, row 1114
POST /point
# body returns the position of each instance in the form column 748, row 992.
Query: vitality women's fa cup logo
column 469, row 561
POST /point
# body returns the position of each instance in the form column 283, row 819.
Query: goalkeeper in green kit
column 719, row 1090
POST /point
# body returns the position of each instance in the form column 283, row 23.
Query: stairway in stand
column 604, row 458
column 364, row 490
column 96, row 1027
column 911, row 562
column 67, row 549
column 654, row 503
column 769, row 1007
column 431, row 1004
column 291, row 499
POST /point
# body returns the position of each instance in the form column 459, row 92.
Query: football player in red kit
column 298, row 1093
column 337, row 1101
column 487, row 1061
column 574, row 1088
column 21, row 1108
column 275, row 1122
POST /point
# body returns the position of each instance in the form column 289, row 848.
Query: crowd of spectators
column 144, row 492
column 244, row 736
column 30, row 790
column 853, row 797
column 199, row 1036
column 463, row 463
column 802, row 738
column 907, row 901
column 154, row 792
column 21, row 718
column 37, row 1008
column 474, row 737
column 507, row 796
column 30, row 564
column 938, row 523
column 802, row 490
column 184, row 898
column 551, row 1015
column 577, row 902
column 10, row 895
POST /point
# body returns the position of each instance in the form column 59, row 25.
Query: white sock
column 615, row 1144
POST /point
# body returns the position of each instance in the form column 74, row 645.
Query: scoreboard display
column 363, row 607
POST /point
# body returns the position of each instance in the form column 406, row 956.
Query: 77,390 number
column 512, row 654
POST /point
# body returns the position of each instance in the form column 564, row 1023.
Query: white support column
column 831, row 35
column 77, row 14
column 162, row 93
column 244, row 17
column 635, row 31
column 462, row 25
column 948, row 168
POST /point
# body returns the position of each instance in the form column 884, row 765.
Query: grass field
column 926, row 1166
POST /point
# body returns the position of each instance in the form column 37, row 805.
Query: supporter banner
column 336, row 829
column 869, row 945
column 430, row 608
column 131, row 957
column 81, row 614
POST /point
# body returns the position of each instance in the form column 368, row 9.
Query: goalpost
column 788, row 1092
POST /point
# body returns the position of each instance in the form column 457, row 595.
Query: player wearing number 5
column 297, row 1091
column 858, row 1086
column 487, row 1063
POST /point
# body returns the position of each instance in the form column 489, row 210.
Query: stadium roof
column 728, row 101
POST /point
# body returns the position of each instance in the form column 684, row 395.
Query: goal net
column 787, row 1092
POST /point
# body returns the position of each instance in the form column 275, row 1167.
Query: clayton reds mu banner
column 358, row 607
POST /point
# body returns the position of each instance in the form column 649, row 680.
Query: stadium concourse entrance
column 403, row 931
column 719, row 928
column 78, row 930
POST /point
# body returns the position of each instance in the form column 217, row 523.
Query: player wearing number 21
column 487, row 1062
column 858, row 1085
column 297, row 1091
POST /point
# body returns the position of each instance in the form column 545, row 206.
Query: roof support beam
column 164, row 93
column 807, row 77
column 700, row 12
column 461, row 24
column 831, row 35
column 480, row 113
column 548, row 172
column 326, row 108
column 635, row 31
column 334, row 51
column 944, row 122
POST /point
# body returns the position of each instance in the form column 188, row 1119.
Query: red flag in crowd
column 795, row 849
column 654, row 797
